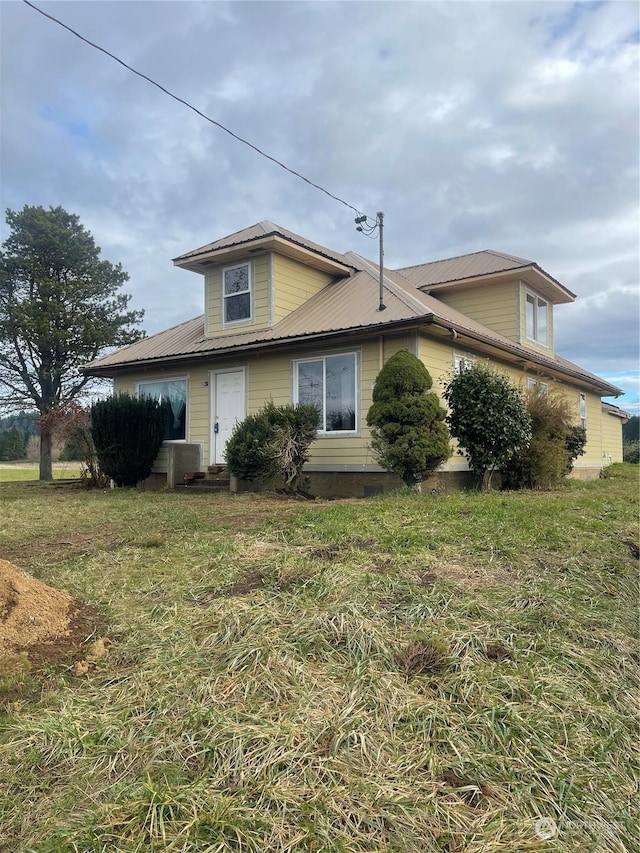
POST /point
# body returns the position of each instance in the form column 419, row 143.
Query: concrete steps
column 214, row 479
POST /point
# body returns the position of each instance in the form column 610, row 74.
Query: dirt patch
column 496, row 651
column 472, row 794
column 469, row 575
column 47, row 624
column 80, row 543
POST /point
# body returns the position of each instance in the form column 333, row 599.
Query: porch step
column 190, row 476
column 204, row 486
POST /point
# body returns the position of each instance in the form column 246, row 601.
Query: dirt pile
column 48, row 624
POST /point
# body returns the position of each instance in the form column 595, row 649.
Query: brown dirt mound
column 46, row 623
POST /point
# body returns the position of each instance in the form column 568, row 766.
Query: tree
column 127, row 434
column 409, row 434
column 59, row 309
column 488, row 417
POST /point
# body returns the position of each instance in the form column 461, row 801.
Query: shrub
column 274, row 441
column 631, row 452
column 488, row 417
column 127, row 433
column 72, row 425
column 555, row 443
column 409, row 435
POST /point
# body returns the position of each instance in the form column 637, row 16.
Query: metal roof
column 347, row 305
column 446, row 274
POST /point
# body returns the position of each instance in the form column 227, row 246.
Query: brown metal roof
column 255, row 233
column 451, row 272
column 347, row 305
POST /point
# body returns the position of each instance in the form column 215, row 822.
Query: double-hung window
column 172, row 393
column 534, row 384
column 462, row 362
column 330, row 384
column 582, row 410
column 236, row 293
column 537, row 319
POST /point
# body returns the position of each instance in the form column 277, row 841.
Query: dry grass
column 319, row 678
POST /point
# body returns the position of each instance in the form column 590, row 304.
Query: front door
column 227, row 409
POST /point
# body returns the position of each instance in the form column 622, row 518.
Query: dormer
column 255, row 277
column 511, row 295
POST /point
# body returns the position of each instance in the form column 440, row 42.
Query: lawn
column 11, row 472
column 407, row 673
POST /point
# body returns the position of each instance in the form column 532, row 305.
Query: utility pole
column 370, row 228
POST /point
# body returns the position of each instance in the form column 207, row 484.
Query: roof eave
column 531, row 274
column 200, row 261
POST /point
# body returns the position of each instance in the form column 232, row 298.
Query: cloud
column 471, row 125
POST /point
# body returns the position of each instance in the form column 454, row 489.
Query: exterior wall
column 611, row 438
column 293, row 284
column 260, row 296
column 271, row 376
column 495, row 306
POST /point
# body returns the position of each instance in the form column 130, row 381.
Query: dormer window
column 236, row 292
column 537, row 319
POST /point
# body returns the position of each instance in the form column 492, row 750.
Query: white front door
column 227, row 409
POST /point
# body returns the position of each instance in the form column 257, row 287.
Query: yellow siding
column 522, row 330
column 495, row 306
column 611, row 438
column 294, row 283
column 261, row 298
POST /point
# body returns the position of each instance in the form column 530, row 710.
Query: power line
column 191, row 107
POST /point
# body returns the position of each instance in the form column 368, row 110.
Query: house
column 292, row 321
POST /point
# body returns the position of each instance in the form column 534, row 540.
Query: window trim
column 342, row 433
column 534, row 384
column 462, row 361
column 231, row 324
column 582, row 410
column 183, row 378
column 535, row 301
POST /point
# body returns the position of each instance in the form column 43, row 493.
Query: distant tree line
column 15, row 432
column 631, row 439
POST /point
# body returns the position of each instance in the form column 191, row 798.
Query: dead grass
column 419, row 674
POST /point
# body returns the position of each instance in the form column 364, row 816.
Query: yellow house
column 291, row 321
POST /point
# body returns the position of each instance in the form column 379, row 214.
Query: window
column 173, row 392
column 236, row 291
column 534, row 384
column 537, row 319
column 462, row 362
column 329, row 383
column 583, row 411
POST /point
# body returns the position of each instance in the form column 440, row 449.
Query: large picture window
column 330, row 384
column 537, row 319
column 173, row 392
column 236, row 293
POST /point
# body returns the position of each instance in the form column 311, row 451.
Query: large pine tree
column 59, row 309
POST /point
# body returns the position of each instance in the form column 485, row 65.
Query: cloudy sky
column 472, row 125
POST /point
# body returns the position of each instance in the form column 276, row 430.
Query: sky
column 472, row 125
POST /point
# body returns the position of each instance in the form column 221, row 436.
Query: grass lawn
column 12, row 472
column 414, row 674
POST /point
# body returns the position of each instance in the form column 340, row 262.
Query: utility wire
column 191, row 107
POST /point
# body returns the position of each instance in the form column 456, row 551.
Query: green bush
column 409, row 435
column 273, row 442
column 631, row 452
column 127, row 433
column 488, row 417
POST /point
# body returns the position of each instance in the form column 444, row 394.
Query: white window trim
column 184, row 379
column 536, row 300
column 534, row 384
column 341, row 433
column 231, row 324
column 582, row 410
column 461, row 361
